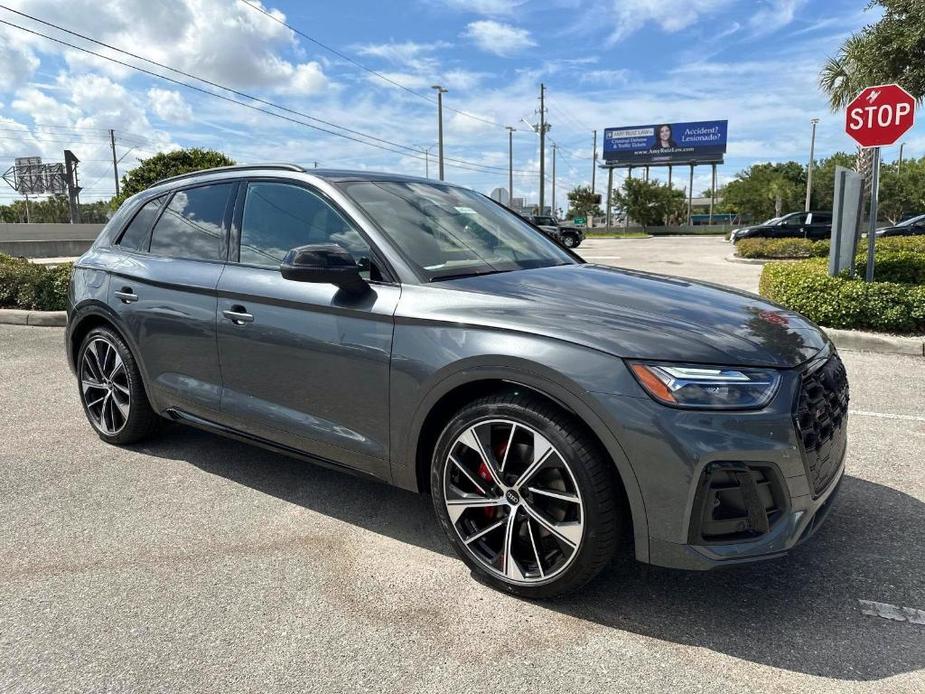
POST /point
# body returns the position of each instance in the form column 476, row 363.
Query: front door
column 304, row 365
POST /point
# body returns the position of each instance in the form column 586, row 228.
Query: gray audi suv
column 419, row 333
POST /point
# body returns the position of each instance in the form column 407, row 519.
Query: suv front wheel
column 525, row 495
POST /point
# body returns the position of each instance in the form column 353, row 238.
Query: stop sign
column 879, row 116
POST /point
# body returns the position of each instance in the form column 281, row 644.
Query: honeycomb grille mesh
column 821, row 420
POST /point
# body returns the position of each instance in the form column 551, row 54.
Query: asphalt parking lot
column 194, row 563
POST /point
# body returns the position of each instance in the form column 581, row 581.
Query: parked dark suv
column 419, row 333
column 809, row 225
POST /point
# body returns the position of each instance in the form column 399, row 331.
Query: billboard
column 701, row 142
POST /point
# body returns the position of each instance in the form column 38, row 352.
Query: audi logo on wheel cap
column 512, row 497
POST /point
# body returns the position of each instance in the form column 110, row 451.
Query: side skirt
column 177, row 415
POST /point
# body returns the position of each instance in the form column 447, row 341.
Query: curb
column 857, row 341
column 759, row 261
column 46, row 319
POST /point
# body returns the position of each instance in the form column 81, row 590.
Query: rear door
column 164, row 288
column 790, row 225
column 304, row 365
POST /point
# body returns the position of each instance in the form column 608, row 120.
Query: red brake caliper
column 485, row 474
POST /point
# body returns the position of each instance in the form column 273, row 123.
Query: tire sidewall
column 577, row 459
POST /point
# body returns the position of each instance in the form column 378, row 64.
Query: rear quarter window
column 136, row 234
column 192, row 225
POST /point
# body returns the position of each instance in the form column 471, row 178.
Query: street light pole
column 593, row 162
column 440, row 92
column 510, row 166
column 554, row 147
column 809, row 169
column 542, row 148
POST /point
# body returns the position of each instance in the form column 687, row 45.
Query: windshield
column 913, row 221
column 772, row 220
column 450, row 232
column 545, row 221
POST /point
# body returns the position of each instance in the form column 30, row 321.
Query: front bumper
column 676, row 455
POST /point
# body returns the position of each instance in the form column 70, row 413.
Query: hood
column 633, row 315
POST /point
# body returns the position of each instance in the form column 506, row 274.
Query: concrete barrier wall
column 47, row 240
column 49, row 232
column 44, row 249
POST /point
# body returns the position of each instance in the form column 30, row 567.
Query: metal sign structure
column 30, row 177
column 878, row 117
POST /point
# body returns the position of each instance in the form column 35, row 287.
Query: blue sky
column 605, row 63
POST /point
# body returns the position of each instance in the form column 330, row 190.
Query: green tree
column 902, row 191
column 582, row 203
column 890, row 50
column 765, row 190
column 649, row 203
column 166, row 164
column 824, row 178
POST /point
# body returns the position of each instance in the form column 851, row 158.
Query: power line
column 458, row 163
column 228, row 89
column 364, row 67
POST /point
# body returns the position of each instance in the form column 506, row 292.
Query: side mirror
column 323, row 263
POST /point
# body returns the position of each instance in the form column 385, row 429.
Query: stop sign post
column 876, row 118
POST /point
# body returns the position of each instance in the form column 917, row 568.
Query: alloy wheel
column 104, row 386
column 513, row 501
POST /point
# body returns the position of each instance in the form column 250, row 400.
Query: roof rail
column 236, row 167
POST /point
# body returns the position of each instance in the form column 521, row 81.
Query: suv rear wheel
column 525, row 495
column 111, row 390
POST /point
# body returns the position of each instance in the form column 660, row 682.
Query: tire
column 560, row 528
column 111, row 390
column 570, row 241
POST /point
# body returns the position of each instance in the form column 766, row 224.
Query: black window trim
column 229, row 208
column 234, row 256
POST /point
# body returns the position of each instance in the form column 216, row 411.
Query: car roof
column 332, row 175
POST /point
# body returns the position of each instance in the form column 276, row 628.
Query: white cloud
column 169, row 105
column 489, row 7
column 498, row 38
column 629, row 16
column 222, row 40
column 408, row 54
column 604, row 78
column 774, row 15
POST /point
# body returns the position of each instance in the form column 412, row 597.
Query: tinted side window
column 822, row 218
column 191, row 226
column 279, row 217
column 135, row 236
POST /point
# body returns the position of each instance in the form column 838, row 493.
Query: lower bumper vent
column 734, row 502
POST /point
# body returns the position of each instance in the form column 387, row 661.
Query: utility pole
column 73, row 190
column 440, row 92
column 593, row 162
column 899, row 166
column 115, row 163
column 510, row 166
column 554, row 147
column 542, row 147
column 809, row 169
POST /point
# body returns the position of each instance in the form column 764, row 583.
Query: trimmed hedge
column 796, row 248
column 842, row 302
column 33, row 287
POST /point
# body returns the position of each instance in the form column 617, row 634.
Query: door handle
column 126, row 295
column 238, row 315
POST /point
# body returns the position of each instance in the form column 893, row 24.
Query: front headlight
column 706, row 387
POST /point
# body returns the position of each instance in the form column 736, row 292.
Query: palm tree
column 841, row 77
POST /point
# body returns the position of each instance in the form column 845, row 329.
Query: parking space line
column 892, row 612
column 887, row 415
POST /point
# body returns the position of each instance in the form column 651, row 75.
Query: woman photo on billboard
column 663, row 139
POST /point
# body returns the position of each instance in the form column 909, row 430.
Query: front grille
column 821, row 421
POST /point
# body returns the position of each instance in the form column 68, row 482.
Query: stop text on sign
column 883, row 115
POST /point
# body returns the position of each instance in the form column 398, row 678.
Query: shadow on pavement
column 799, row 613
